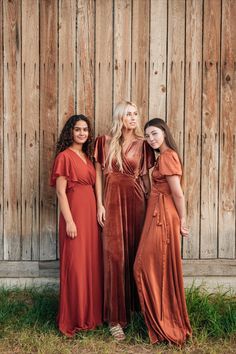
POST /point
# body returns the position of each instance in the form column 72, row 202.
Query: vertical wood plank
column 104, row 60
column 140, row 56
column 158, row 74
column 192, row 136
column 1, row 130
column 48, row 126
column 176, row 63
column 30, row 129
column 210, row 128
column 12, row 129
column 227, row 168
column 122, row 50
column 66, row 88
column 85, row 57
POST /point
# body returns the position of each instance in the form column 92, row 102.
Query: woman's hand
column 71, row 229
column 101, row 215
column 184, row 230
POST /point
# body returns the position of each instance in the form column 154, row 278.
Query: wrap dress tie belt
column 160, row 213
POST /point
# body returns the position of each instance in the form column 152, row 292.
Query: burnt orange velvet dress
column 125, row 206
column 81, row 286
column 158, row 269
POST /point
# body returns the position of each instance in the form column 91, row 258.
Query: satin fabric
column 81, row 285
column 158, row 268
column 125, row 207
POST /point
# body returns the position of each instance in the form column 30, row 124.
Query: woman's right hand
column 101, row 215
column 184, row 230
column 71, row 229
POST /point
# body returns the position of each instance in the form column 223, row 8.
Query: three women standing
column 123, row 159
column 80, row 246
column 157, row 268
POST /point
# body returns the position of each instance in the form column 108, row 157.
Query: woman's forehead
column 81, row 124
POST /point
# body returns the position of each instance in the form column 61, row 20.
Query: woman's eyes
column 78, row 129
column 130, row 114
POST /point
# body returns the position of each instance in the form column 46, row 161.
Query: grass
column 27, row 325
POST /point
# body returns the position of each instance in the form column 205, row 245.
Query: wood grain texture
column 66, row 64
column 176, row 68
column 227, row 167
column 158, row 59
column 48, row 126
column 1, row 132
column 140, row 56
column 85, row 58
column 192, row 136
column 210, row 128
column 30, row 130
column 174, row 58
column 197, row 268
column 104, row 61
column 12, row 129
column 122, row 50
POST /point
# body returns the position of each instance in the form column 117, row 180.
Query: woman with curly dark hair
column 73, row 175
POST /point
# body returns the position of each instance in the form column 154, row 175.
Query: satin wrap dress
column 158, row 269
column 125, row 206
column 81, row 285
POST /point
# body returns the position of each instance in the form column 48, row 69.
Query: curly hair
column 66, row 137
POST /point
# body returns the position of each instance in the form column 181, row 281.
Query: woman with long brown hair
column 158, row 269
column 123, row 159
column 73, row 176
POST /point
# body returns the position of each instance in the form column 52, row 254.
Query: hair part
column 66, row 137
column 115, row 147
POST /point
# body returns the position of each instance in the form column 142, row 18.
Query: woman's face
column 155, row 137
column 130, row 118
column 80, row 132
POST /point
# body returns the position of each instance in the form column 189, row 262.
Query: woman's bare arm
column 99, row 195
column 61, row 184
column 178, row 197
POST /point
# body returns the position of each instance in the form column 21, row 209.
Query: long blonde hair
column 115, row 148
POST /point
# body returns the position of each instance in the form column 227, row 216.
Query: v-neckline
column 124, row 151
column 85, row 162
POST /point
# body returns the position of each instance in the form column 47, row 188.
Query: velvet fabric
column 125, row 206
column 158, row 269
column 81, row 285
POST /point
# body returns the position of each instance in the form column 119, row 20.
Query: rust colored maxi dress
column 81, row 285
column 125, row 206
column 158, row 269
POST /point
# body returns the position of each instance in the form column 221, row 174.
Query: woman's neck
column 128, row 134
column 77, row 147
column 163, row 147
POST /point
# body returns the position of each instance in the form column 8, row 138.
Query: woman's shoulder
column 103, row 138
column 169, row 154
column 169, row 163
column 63, row 155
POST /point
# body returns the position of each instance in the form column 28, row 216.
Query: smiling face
column 155, row 137
column 130, row 118
column 80, row 132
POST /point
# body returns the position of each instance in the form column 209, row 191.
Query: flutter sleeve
column 61, row 167
column 100, row 150
column 148, row 160
column 169, row 164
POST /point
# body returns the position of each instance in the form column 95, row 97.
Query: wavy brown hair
column 66, row 137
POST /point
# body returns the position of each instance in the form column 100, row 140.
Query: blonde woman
column 122, row 160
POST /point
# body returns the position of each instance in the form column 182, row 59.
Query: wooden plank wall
column 174, row 58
